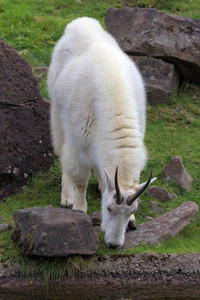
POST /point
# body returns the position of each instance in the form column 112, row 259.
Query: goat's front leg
column 80, row 202
column 67, row 194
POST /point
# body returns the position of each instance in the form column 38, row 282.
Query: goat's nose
column 113, row 246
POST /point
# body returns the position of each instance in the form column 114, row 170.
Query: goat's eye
column 109, row 209
column 115, row 196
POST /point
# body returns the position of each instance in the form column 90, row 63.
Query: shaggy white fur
column 98, row 121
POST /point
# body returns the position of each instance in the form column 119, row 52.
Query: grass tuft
column 54, row 269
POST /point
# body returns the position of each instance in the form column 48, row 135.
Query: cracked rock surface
column 24, row 124
column 149, row 32
column 54, row 232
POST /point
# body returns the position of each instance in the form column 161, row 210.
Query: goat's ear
column 110, row 181
column 142, row 184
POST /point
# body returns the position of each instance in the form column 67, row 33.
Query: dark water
column 104, row 293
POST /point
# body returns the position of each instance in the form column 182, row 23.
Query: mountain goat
column 98, row 123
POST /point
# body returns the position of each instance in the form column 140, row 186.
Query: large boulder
column 163, row 227
column 54, row 232
column 25, row 146
column 161, row 78
column 148, row 32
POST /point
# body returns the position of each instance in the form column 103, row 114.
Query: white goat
column 98, row 123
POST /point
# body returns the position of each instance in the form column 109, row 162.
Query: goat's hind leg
column 59, row 140
column 74, row 191
column 74, row 180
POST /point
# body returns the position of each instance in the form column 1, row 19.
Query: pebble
column 5, row 226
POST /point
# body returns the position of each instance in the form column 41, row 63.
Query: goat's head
column 117, row 208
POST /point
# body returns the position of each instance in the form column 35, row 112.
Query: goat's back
column 97, row 90
column 78, row 36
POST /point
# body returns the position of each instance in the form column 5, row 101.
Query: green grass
column 54, row 269
column 33, row 27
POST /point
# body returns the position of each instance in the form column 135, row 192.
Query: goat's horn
column 133, row 197
column 118, row 193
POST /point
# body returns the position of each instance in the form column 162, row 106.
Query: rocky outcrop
column 24, row 124
column 54, row 232
column 151, row 33
column 161, row 78
column 160, row 193
column 176, row 171
column 163, row 227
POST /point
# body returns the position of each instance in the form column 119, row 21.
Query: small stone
column 5, row 226
column 175, row 171
column 155, row 207
column 96, row 218
column 160, row 193
column 41, row 70
column 16, row 171
column 149, row 218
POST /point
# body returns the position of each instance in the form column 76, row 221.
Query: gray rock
column 25, row 147
column 5, row 226
column 160, row 193
column 8, row 270
column 40, row 72
column 54, row 232
column 96, row 218
column 163, row 227
column 148, row 32
column 157, row 208
column 161, row 78
column 149, row 218
column 175, row 171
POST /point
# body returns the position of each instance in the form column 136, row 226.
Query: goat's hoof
column 131, row 225
column 67, row 206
